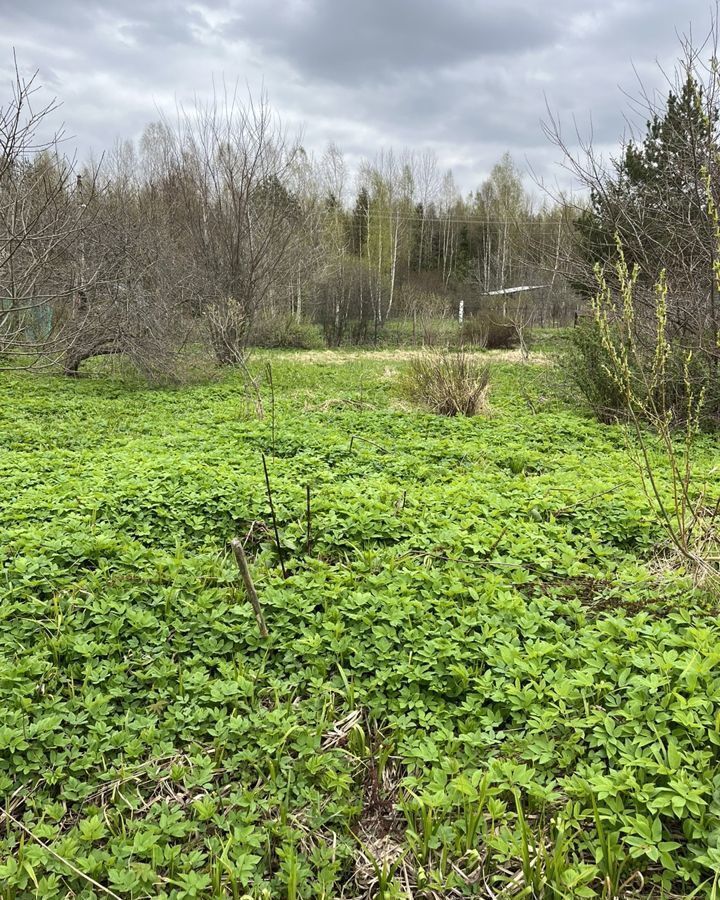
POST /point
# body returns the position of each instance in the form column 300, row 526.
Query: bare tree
column 138, row 304
column 232, row 160
column 427, row 179
column 42, row 220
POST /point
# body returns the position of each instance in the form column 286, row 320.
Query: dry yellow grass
column 339, row 357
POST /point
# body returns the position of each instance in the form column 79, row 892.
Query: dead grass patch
column 450, row 384
column 341, row 357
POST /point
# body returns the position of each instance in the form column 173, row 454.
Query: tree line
column 216, row 229
column 217, row 223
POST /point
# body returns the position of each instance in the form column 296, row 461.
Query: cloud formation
column 467, row 78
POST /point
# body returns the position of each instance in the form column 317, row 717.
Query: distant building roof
column 514, row 290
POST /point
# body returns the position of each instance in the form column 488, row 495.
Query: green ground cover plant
column 479, row 679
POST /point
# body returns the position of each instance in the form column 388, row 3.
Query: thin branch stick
column 268, row 369
column 308, row 543
column 61, row 859
column 274, row 517
column 242, row 562
column 610, row 490
column 356, row 437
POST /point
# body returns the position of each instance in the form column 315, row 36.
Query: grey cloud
column 348, row 42
column 465, row 77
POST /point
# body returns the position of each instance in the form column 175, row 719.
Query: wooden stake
column 252, row 596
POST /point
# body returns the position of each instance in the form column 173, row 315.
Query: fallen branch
column 61, row 859
column 356, row 437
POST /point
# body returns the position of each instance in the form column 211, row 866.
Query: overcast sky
column 467, row 78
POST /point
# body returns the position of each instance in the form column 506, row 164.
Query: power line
column 455, row 220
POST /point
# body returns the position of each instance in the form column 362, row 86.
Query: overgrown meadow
column 483, row 677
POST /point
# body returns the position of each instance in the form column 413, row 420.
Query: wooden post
column 252, row 596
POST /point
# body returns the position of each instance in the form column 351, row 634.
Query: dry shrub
column 491, row 332
column 286, row 333
column 448, row 383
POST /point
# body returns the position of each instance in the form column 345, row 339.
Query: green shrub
column 448, row 383
column 286, row 333
column 438, row 332
column 588, row 365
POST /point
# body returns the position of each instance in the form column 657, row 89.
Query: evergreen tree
column 655, row 197
column 359, row 222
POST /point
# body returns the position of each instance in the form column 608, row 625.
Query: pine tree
column 655, row 198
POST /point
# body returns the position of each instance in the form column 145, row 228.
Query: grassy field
column 481, row 677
